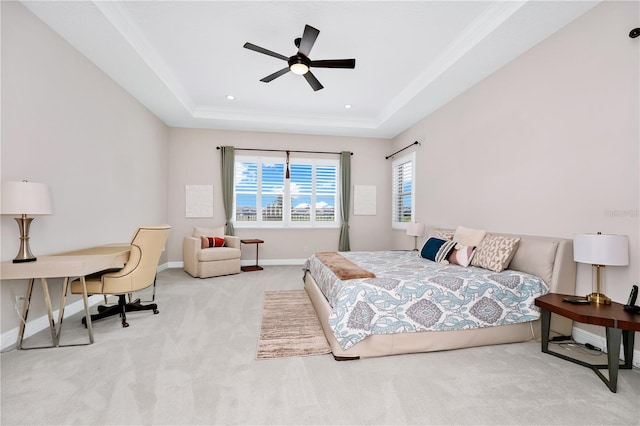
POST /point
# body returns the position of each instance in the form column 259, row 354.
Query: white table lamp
column 415, row 230
column 600, row 250
column 25, row 199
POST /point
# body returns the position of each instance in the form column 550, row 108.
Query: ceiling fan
column 300, row 63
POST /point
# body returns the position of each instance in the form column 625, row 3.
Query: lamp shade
column 30, row 198
column 415, row 229
column 601, row 249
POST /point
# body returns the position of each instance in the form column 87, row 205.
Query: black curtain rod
column 284, row 150
column 408, row 146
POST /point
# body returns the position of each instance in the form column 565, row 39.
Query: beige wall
column 194, row 160
column 65, row 123
column 548, row 145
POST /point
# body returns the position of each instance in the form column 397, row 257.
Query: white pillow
column 468, row 236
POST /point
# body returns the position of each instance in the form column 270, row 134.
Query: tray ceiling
column 181, row 59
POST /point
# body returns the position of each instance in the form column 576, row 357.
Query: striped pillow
column 208, row 242
column 437, row 250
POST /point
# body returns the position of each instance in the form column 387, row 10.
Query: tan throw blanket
column 341, row 267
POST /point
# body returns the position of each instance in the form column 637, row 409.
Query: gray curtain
column 345, row 199
column 228, row 159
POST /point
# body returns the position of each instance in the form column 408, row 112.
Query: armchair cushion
column 218, row 253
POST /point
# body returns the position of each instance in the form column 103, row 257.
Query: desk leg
column 25, row 313
column 85, row 299
column 63, row 304
column 47, row 300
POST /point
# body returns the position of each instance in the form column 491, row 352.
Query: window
column 264, row 198
column 403, row 191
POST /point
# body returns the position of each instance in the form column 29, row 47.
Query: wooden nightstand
column 250, row 268
column 620, row 326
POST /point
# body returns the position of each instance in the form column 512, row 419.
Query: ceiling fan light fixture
column 299, row 68
column 300, row 64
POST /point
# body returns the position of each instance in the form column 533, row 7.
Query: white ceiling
column 182, row 58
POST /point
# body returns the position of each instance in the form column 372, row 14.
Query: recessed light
column 347, row 106
column 231, row 97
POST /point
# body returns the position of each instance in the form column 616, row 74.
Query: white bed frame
column 549, row 258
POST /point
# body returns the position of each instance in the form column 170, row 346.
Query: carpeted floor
column 195, row 363
column 290, row 326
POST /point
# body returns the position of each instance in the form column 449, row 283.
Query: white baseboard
column 10, row 338
column 583, row 336
column 263, row 262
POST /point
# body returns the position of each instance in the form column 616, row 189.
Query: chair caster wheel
column 156, row 312
column 125, row 324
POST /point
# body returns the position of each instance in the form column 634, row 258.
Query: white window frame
column 286, row 194
column 395, row 194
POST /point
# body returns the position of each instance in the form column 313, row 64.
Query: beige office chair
column 138, row 273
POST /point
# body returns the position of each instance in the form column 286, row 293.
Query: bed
column 410, row 304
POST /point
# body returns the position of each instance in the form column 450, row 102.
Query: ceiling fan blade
column 259, row 49
column 308, row 39
column 334, row 63
column 275, row 75
column 313, row 81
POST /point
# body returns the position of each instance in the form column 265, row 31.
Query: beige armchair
column 212, row 261
column 138, row 273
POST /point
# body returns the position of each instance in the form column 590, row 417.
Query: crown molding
column 497, row 14
column 115, row 13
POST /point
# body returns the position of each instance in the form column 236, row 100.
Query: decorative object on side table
column 250, row 268
column 24, row 199
column 631, row 302
column 415, row 230
column 600, row 250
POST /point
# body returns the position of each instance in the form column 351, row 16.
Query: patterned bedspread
column 412, row 294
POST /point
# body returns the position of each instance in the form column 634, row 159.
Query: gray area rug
column 290, row 326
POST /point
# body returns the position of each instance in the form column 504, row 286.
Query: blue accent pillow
column 437, row 250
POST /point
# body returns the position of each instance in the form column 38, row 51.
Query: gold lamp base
column 599, row 299
column 598, row 296
column 24, row 253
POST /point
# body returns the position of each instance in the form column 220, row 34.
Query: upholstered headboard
column 549, row 258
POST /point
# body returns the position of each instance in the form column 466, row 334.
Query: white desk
column 78, row 263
